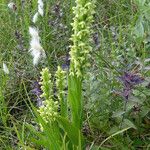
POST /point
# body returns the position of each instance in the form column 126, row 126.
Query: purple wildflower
column 129, row 80
column 37, row 88
column 37, row 92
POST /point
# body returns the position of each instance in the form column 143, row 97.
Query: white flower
column 36, row 56
column 40, row 7
column 34, row 33
column 11, row 5
column 5, row 68
column 35, row 17
column 36, row 49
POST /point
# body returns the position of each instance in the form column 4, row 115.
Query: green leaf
column 145, row 111
column 130, row 105
column 75, row 100
column 113, row 130
column 140, row 2
column 129, row 123
column 50, row 141
column 139, row 29
column 73, row 132
column 118, row 114
column 41, row 138
column 119, row 132
column 137, row 100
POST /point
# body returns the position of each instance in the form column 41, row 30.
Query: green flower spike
column 48, row 110
column 46, row 84
column 61, row 84
column 81, row 48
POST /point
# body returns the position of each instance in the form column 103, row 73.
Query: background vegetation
column 116, row 115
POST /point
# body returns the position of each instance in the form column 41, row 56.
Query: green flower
column 60, row 80
column 80, row 50
column 61, row 84
column 48, row 111
column 46, row 84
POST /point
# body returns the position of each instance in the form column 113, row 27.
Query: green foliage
column 65, row 133
column 75, row 100
column 83, row 106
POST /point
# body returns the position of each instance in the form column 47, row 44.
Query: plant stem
column 123, row 116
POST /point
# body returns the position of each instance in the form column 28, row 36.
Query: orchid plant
column 63, row 116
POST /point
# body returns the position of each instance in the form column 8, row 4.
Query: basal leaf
column 72, row 132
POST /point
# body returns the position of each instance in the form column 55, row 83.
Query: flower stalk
column 80, row 54
column 70, row 122
column 61, row 84
column 80, row 50
column 48, row 110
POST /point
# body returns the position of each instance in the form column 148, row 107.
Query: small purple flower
column 36, row 88
column 129, row 80
column 37, row 92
